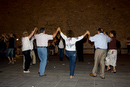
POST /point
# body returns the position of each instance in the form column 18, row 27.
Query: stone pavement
column 58, row 74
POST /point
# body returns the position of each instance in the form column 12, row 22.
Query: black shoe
column 102, row 77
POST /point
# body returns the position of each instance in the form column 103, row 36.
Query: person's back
column 100, row 41
column 11, row 42
column 101, row 44
column 42, row 39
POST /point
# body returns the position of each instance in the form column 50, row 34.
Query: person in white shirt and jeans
column 42, row 43
column 71, row 49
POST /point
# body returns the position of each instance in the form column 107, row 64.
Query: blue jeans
column 72, row 59
column 2, row 51
column 42, row 53
column 10, row 52
column 61, row 53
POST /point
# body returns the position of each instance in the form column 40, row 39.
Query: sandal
column 108, row 70
column 113, row 71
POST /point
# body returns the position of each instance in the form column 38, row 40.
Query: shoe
column 113, row 71
column 71, row 77
column 26, row 71
column 108, row 70
column 102, row 77
column 42, row 75
column 92, row 75
column 10, row 62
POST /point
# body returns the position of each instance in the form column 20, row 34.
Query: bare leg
column 114, row 69
column 108, row 68
column 9, row 60
column 12, row 60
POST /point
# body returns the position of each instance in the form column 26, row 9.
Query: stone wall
column 78, row 15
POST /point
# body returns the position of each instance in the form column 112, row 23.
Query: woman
column 61, row 45
column 112, row 53
column 26, row 47
column 71, row 49
column 10, row 51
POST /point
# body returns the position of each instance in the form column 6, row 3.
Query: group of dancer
column 8, row 43
column 100, row 40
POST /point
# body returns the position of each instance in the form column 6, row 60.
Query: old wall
column 78, row 15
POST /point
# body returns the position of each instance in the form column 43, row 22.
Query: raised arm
column 88, row 35
column 62, row 35
column 54, row 35
column 85, row 34
column 5, row 37
column 35, row 29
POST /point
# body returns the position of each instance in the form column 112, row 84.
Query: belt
column 101, row 49
column 41, row 47
column 98, row 48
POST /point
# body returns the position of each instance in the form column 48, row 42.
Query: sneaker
column 26, row 71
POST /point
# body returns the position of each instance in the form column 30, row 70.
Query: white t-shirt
column 31, row 43
column 61, row 45
column 42, row 39
column 26, row 44
column 70, row 42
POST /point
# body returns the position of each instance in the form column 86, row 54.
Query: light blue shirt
column 100, row 41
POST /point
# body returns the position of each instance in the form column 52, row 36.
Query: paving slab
column 58, row 74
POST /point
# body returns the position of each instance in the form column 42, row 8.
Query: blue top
column 100, row 40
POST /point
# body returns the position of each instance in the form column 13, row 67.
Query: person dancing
column 42, row 43
column 71, row 49
column 100, row 41
column 26, row 47
column 112, row 53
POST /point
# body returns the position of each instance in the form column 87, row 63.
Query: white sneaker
column 26, row 71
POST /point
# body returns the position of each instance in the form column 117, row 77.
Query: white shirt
column 31, row 43
column 100, row 40
column 70, row 42
column 26, row 44
column 42, row 39
column 61, row 45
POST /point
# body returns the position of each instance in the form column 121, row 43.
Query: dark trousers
column 61, row 54
column 128, row 48
column 27, row 59
column 80, row 55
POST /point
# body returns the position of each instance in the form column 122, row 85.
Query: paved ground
column 58, row 74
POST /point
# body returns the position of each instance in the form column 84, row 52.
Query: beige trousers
column 99, row 58
column 33, row 56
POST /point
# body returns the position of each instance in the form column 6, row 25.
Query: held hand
column 88, row 32
column 35, row 29
column 58, row 29
column 3, row 35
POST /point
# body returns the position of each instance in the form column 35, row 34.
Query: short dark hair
column 100, row 30
column 42, row 30
column 113, row 32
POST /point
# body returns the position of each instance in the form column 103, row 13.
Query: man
column 42, row 43
column 79, row 49
column 100, row 41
